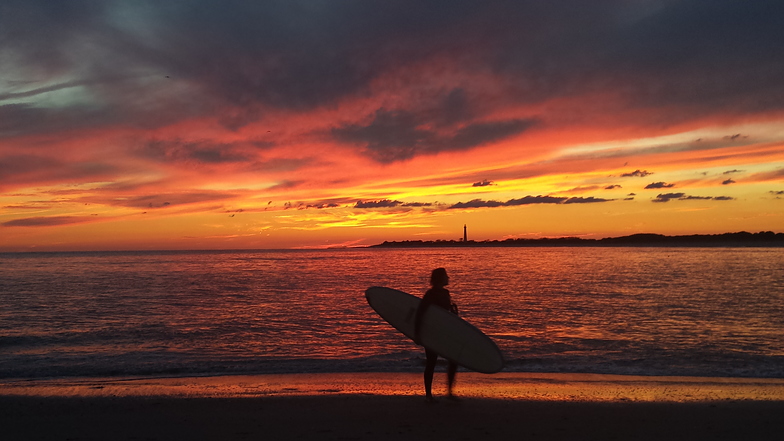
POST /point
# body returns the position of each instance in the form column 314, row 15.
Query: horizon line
column 499, row 242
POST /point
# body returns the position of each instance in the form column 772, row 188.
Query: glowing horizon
column 187, row 128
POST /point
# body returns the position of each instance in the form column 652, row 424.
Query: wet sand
column 385, row 406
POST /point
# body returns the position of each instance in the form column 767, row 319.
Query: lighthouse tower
column 465, row 234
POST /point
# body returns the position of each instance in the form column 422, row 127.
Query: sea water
column 641, row 311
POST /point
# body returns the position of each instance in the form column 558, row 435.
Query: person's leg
column 450, row 376
column 430, row 367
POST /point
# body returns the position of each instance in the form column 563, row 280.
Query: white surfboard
column 441, row 331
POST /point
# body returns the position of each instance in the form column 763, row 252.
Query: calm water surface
column 650, row 311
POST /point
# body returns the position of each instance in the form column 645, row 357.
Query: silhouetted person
column 439, row 296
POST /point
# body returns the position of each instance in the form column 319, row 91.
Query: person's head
column 439, row 278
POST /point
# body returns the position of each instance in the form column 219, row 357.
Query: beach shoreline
column 387, row 406
column 504, row 385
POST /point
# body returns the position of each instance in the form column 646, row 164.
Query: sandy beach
column 386, row 406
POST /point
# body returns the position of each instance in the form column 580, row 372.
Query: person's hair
column 438, row 277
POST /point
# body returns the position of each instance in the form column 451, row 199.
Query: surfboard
column 441, row 331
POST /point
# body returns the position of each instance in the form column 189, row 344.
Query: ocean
column 715, row 312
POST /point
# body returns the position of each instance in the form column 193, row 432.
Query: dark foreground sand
column 390, row 407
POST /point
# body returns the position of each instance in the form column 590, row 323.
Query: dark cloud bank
column 655, row 185
column 529, row 200
column 479, row 203
column 666, row 197
column 243, row 57
column 399, row 135
column 48, row 221
column 386, row 203
column 637, row 174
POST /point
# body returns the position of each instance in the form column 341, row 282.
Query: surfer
column 439, row 296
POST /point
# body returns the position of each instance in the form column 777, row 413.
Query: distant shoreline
column 765, row 239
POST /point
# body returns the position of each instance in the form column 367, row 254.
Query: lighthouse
column 465, row 233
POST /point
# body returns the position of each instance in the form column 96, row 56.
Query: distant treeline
column 741, row 239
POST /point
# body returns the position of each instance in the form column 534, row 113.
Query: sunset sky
column 287, row 124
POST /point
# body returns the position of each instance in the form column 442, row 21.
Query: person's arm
column 452, row 305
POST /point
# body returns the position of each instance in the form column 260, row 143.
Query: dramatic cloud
column 727, row 182
column 582, row 189
column 399, row 135
column 39, row 168
column 296, row 55
column 166, row 200
column 418, row 204
column 588, row 200
column 612, row 187
column 11, row 167
column 666, row 197
column 195, row 152
column 527, row 200
column 659, row 185
column 48, row 221
column 323, row 205
column 773, row 175
column 386, row 203
column 478, row 203
column 485, row 132
column 637, row 174
column 247, row 57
